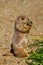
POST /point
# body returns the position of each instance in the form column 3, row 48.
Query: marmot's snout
column 29, row 23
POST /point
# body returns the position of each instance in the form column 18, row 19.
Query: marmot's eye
column 22, row 18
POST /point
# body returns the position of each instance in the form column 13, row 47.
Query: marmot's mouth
column 24, row 30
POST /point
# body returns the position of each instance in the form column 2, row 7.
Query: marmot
column 22, row 27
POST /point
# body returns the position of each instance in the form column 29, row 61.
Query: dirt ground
column 9, row 10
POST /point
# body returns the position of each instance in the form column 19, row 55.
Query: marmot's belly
column 19, row 50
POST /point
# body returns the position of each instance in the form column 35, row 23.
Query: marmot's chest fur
column 20, row 38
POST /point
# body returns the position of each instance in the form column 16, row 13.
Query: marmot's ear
column 22, row 17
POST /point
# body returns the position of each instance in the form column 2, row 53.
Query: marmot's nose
column 29, row 23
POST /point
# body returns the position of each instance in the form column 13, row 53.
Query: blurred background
column 9, row 11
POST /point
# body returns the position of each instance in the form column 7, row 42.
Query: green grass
column 36, row 56
column 37, row 43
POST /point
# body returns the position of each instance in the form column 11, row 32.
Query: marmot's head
column 23, row 24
